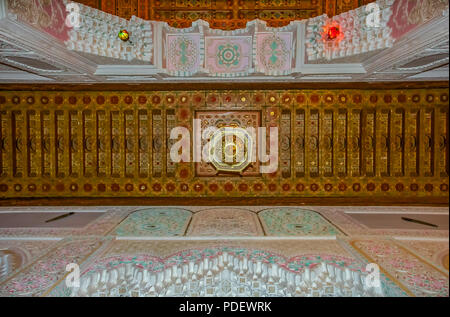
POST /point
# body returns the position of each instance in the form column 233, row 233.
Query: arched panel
column 155, row 222
column 295, row 222
column 225, row 222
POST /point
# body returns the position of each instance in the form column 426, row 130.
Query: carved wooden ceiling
column 224, row 14
column 356, row 143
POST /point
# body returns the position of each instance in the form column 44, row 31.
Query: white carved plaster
column 226, row 275
column 381, row 61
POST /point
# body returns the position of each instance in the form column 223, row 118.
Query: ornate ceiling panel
column 364, row 44
column 224, row 14
column 134, row 253
column 373, row 144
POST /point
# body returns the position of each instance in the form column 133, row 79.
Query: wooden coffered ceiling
column 224, row 14
column 368, row 144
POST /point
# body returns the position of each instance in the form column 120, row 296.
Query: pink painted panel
column 228, row 55
column 48, row 16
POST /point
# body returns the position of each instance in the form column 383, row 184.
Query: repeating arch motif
column 225, row 222
column 227, row 272
column 162, row 221
column 295, row 222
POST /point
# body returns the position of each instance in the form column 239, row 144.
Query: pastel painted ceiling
column 324, row 40
column 247, row 251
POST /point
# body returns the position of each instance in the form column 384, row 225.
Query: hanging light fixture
column 333, row 32
column 124, row 35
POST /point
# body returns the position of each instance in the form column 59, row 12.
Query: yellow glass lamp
column 124, row 35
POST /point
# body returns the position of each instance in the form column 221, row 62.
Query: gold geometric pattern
column 334, row 143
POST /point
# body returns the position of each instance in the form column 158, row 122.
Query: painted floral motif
column 407, row 14
column 349, row 225
column 228, row 56
column 274, row 53
column 183, row 55
column 35, row 279
column 100, row 226
column 47, row 15
column 155, row 222
column 225, row 222
column 417, row 276
column 295, row 222
column 245, row 267
column 434, row 251
column 354, row 36
column 15, row 254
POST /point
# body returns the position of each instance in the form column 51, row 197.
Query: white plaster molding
column 44, row 47
column 225, row 275
column 126, row 70
column 3, row 9
column 97, row 34
column 30, row 238
column 325, row 78
column 328, row 68
column 158, row 61
column 309, row 69
column 38, row 45
column 234, row 79
column 410, row 46
column 131, row 78
column 300, row 47
column 9, row 59
column 356, row 36
column 21, row 76
column 383, row 65
column 435, row 74
column 226, row 238
column 440, row 61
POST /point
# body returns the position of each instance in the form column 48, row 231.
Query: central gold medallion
column 231, row 149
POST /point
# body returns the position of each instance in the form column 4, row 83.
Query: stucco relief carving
column 225, row 222
column 47, row 15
